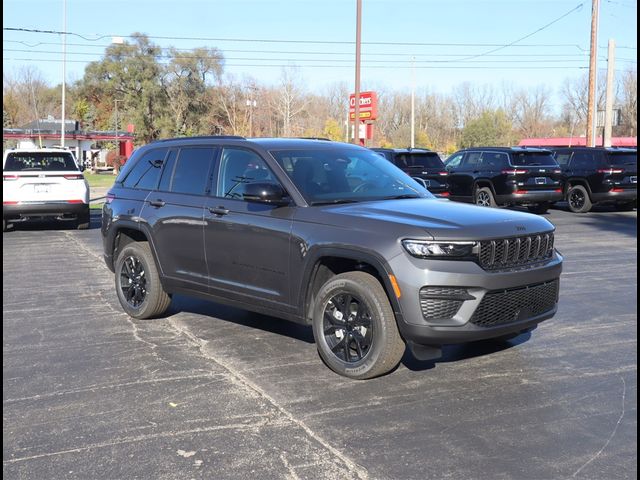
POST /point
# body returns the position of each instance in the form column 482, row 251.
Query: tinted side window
column 472, row 160
column 494, row 160
column 239, row 167
column 454, row 161
column 562, row 158
column 167, row 172
column 146, row 172
column 582, row 159
column 192, row 170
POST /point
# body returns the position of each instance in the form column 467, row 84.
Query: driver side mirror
column 270, row 193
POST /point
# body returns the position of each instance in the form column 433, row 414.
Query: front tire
column 354, row 327
column 484, row 197
column 138, row 283
column 578, row 199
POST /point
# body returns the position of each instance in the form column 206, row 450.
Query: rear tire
column 578, row 199
column 539, row 208
column 138, row 283
column 484, row 197
column 355, row 328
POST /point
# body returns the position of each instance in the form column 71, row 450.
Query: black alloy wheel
column 133, row 282
column 578, row 199
column 348, row 329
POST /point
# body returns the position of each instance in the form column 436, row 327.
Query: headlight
column 438, row 249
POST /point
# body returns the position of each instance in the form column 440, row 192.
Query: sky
column 436, row 44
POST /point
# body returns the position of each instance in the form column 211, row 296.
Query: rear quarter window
column 145, row 173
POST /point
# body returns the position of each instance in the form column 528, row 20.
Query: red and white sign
column 368, row 106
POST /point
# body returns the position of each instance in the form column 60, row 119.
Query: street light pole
column 356, row 120
column 413, row 103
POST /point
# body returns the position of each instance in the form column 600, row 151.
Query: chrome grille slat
column 515, row 251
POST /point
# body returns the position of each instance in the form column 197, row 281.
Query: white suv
column 43, row 182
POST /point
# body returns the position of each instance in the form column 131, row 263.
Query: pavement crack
column 354, row 470
column 615, row 429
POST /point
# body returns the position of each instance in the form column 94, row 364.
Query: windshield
column 626, row 158
column 341, row 175
column 418, row 160
column 533, row 159
column 37, row 161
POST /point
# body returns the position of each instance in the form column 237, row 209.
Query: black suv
column 599, row 175
column 424, row 165
column 325, row 234
column 492, row 176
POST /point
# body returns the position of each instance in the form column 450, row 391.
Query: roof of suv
column 403, row 150
column 608, row 149
column 507, row 149
column 266, row 143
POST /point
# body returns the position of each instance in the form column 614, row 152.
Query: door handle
column 218, row 210
column 157, row 203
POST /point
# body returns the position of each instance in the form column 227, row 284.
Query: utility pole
column 593, row 71
column 413, row 103
column 608, row 105
column 64, row 68
column 356, row 120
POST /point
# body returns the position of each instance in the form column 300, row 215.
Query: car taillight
column 557, row 171
column 444, row 194
column 110, row 197
column 610, row 171
column 74, row 177
column 10, row 203
column 617, row 190
column 443, row 174
column 10, row 177
column 520, row 192
column 75, row 201
column 513, row 172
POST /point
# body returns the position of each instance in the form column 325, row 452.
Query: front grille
column 516, row 304
column 440, row 303
column 515, row 251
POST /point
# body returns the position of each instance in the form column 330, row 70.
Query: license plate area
column 633, row 179
column 541, row 180
column 41, row 188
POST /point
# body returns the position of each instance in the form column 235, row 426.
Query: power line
column 319, row 42
column 578, row 7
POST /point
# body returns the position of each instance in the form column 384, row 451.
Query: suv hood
column 442, row 219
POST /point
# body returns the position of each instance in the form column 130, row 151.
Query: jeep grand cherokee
column 284, row 227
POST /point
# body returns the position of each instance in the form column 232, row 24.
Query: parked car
column 493, row 176
column 43, row 182
column 284, row 227
column 596, row 175
column 421, row 164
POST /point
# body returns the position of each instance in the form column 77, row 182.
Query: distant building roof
column 576, row 142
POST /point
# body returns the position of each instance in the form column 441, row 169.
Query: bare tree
column 290, row 101
column 628, row 101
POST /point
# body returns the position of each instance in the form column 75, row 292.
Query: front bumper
column 461, row 325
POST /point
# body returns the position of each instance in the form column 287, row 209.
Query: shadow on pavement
column 45, row 224
column 463, row 351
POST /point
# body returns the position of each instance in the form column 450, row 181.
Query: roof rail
column 204, row 137
column 316, row 138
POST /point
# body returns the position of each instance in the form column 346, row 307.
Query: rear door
column 535, row 171
column 175, row 212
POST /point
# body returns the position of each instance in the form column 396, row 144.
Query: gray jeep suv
column 325, row 234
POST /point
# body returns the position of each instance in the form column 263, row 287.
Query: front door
column 247, row 243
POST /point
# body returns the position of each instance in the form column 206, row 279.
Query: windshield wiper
column 334, row 202
column 400, row 197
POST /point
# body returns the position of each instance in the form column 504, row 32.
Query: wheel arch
column 577, row 181
column 325, row 263
column 128, row 232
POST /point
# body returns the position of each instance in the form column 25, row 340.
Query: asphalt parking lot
column 214, row 392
